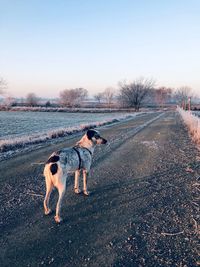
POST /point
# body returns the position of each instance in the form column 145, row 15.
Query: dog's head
column 95, row 137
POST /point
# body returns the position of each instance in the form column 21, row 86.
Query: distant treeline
column 132, row 95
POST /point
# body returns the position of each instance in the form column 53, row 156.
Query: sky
column 48, row 46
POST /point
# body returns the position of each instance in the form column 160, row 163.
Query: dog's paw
column 86, row 193
column 77, row 190
column 58, row 219
column 47, row 212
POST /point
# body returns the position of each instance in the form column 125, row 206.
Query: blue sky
column 47, row 46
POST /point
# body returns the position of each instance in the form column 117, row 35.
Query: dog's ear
column 90, row 134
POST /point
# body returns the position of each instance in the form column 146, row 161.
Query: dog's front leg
column 76, row 182
column 85, row 191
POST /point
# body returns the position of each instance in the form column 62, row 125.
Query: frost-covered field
column 18, row 129
column 192, row 122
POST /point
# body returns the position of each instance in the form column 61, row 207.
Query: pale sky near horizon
column 48, row 46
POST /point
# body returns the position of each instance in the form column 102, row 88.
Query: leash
column 38, row 163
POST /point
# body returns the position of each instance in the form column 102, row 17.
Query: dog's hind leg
column 61, row 186
column 49, row 187
column 76, row 182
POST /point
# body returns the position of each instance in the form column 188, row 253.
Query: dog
column 74, row 159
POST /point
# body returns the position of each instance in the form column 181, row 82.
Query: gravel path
column 143, row 210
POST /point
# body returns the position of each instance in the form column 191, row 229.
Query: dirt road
column 143, row 210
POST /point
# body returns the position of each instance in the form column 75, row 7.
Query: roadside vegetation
column 193, row 124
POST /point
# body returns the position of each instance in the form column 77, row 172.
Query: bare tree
column 182, row 95
column 73, row 97
column 32, row 99
column 109, row 94
column 99, row 97
column 133, row 94
column 162, row 95
column 8, row 101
